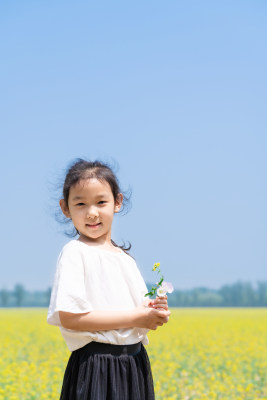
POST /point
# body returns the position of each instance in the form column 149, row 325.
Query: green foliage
column 239, row 294
column 154, row 289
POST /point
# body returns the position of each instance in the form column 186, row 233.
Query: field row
column 201, row 354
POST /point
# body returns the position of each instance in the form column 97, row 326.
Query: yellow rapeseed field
column 201, row 354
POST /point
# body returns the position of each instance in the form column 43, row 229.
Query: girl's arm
column 100, row 320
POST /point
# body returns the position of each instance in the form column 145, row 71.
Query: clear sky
column 173, row 93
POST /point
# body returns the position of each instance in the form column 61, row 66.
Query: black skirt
column 100, row 371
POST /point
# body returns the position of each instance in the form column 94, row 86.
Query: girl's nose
column 91, row 213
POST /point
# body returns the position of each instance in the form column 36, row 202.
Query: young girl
column 97, row 298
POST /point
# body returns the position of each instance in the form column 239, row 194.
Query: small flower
column 161, row 287
column 156, row 265
column 168, row 286
column 165, row 288
column 161, row 291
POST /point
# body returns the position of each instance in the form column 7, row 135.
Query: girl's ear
column 64, row 208
column 118, row 202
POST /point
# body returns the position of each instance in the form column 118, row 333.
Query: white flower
column 166, row 287
column 161, row 292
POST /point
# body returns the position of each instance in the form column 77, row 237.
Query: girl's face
column 91, row 208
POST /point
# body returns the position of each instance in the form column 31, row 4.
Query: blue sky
column 171, row 93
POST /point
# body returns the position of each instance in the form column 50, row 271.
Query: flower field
column 201, row 353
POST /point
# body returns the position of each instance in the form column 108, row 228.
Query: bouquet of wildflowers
column 162, row 287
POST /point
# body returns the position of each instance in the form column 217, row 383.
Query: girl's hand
column 160, row 303
column 150, row 318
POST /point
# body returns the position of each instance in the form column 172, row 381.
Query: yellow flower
column 156, row 265
column 201, row 353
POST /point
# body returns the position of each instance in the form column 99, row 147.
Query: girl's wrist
column 133, row 317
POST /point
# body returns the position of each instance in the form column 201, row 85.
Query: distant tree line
column 239, row 294
column 20, row 297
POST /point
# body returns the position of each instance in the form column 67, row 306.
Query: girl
column 97, row 298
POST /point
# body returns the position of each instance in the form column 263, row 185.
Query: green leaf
column 160, row 282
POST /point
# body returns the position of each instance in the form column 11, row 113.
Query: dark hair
column 81, row 169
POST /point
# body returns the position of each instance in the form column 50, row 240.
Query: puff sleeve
column 68, row 291
column 141, row 284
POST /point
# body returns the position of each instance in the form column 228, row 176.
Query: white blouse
column 91, row 278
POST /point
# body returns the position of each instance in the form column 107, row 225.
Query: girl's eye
column 80, row 204
column 102, row 202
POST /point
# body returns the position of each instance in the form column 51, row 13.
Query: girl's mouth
column 93, row 225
